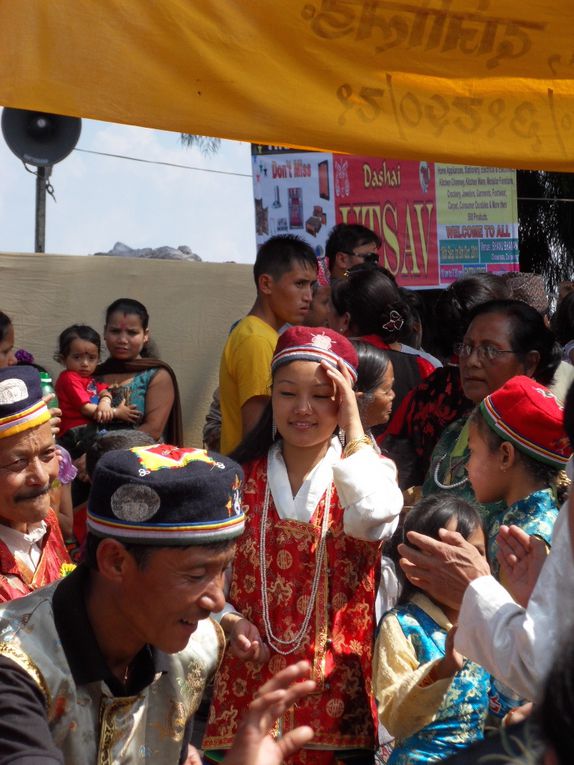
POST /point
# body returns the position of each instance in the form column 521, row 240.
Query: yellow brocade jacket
column 88, row 723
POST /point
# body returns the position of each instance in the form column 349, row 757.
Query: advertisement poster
column 293, row 195
column 477, row 216
column 396, row 199
column 437, row 222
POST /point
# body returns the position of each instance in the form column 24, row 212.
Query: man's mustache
column 32, row 494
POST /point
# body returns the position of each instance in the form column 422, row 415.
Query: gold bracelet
column 356, row 444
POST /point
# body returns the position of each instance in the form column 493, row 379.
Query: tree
column 546, row 225
column 204, row 143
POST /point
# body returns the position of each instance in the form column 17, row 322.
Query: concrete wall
column 191, row 306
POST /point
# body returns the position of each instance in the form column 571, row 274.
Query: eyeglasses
column 368, row 257
column 483, row 352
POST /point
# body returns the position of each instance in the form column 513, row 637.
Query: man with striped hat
column 32, row 551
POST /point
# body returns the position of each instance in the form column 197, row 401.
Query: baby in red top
column 81, row 399
column 85, row 403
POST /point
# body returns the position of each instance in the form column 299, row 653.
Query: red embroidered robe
column 16, row 581
column 339, row 639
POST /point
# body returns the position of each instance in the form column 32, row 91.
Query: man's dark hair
column 344, row 237
column 280, row 253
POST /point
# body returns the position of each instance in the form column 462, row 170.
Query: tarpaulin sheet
column 468, row 81
column 191, row 305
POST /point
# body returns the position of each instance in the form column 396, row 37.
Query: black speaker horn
column 38, row 138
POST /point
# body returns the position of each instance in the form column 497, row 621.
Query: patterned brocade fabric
column 436, row 720
column 536, row 515
column 338, row 642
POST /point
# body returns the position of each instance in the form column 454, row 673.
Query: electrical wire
column 165, row 164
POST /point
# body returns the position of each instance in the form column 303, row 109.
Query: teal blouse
column 535, row 514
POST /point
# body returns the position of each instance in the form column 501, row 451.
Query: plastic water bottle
column 47, row 388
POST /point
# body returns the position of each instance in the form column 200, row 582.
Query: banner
column 436, row 222
column 397, row 200
column 293, row 194
column 477, row 220
column 466, row 81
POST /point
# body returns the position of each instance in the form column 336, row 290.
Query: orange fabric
column 487, row 82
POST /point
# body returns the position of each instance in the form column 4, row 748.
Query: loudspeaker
column 38, row 138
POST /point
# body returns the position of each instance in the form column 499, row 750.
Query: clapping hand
column 521, row 558
column 253, row 744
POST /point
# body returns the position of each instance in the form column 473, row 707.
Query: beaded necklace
column 457, row 451
column 274, row 641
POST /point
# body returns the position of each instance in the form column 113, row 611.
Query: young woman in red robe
column 305, row 574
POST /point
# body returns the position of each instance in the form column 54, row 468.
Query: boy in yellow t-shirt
column 285, row 270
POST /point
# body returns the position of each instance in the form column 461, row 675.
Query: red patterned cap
column 315, row 344
column 529, row 415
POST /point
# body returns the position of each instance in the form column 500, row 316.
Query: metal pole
column 42, row 176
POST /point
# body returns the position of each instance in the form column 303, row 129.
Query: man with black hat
column 109, row 664
column 32, row 551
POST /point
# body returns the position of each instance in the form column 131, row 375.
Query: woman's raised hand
column 349, row 419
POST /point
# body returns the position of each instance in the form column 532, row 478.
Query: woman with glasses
column 439, row 399
column 505, row 338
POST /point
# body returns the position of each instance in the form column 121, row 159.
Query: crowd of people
column 368, row 562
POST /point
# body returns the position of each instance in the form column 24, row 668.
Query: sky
column 103, row 200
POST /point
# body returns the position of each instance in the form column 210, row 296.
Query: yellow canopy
column 469, row 81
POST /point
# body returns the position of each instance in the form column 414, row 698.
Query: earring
column 273, row 431
column 341, row 436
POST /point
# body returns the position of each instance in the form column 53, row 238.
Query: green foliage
column 546, row 225
column 204, row 143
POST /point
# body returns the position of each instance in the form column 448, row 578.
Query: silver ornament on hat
column 135, row 503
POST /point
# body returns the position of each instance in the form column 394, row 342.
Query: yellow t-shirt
column 244, row 372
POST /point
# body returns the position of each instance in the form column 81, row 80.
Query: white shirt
column 25, row 547
column 514, row 644
column 366, row 484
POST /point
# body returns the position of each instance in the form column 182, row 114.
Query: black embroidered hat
column 166, row 495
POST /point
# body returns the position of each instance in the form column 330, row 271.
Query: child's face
column 304, row 407
column 82, row 357
column 7, row 358
column 476, row 537
column 484, row 468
